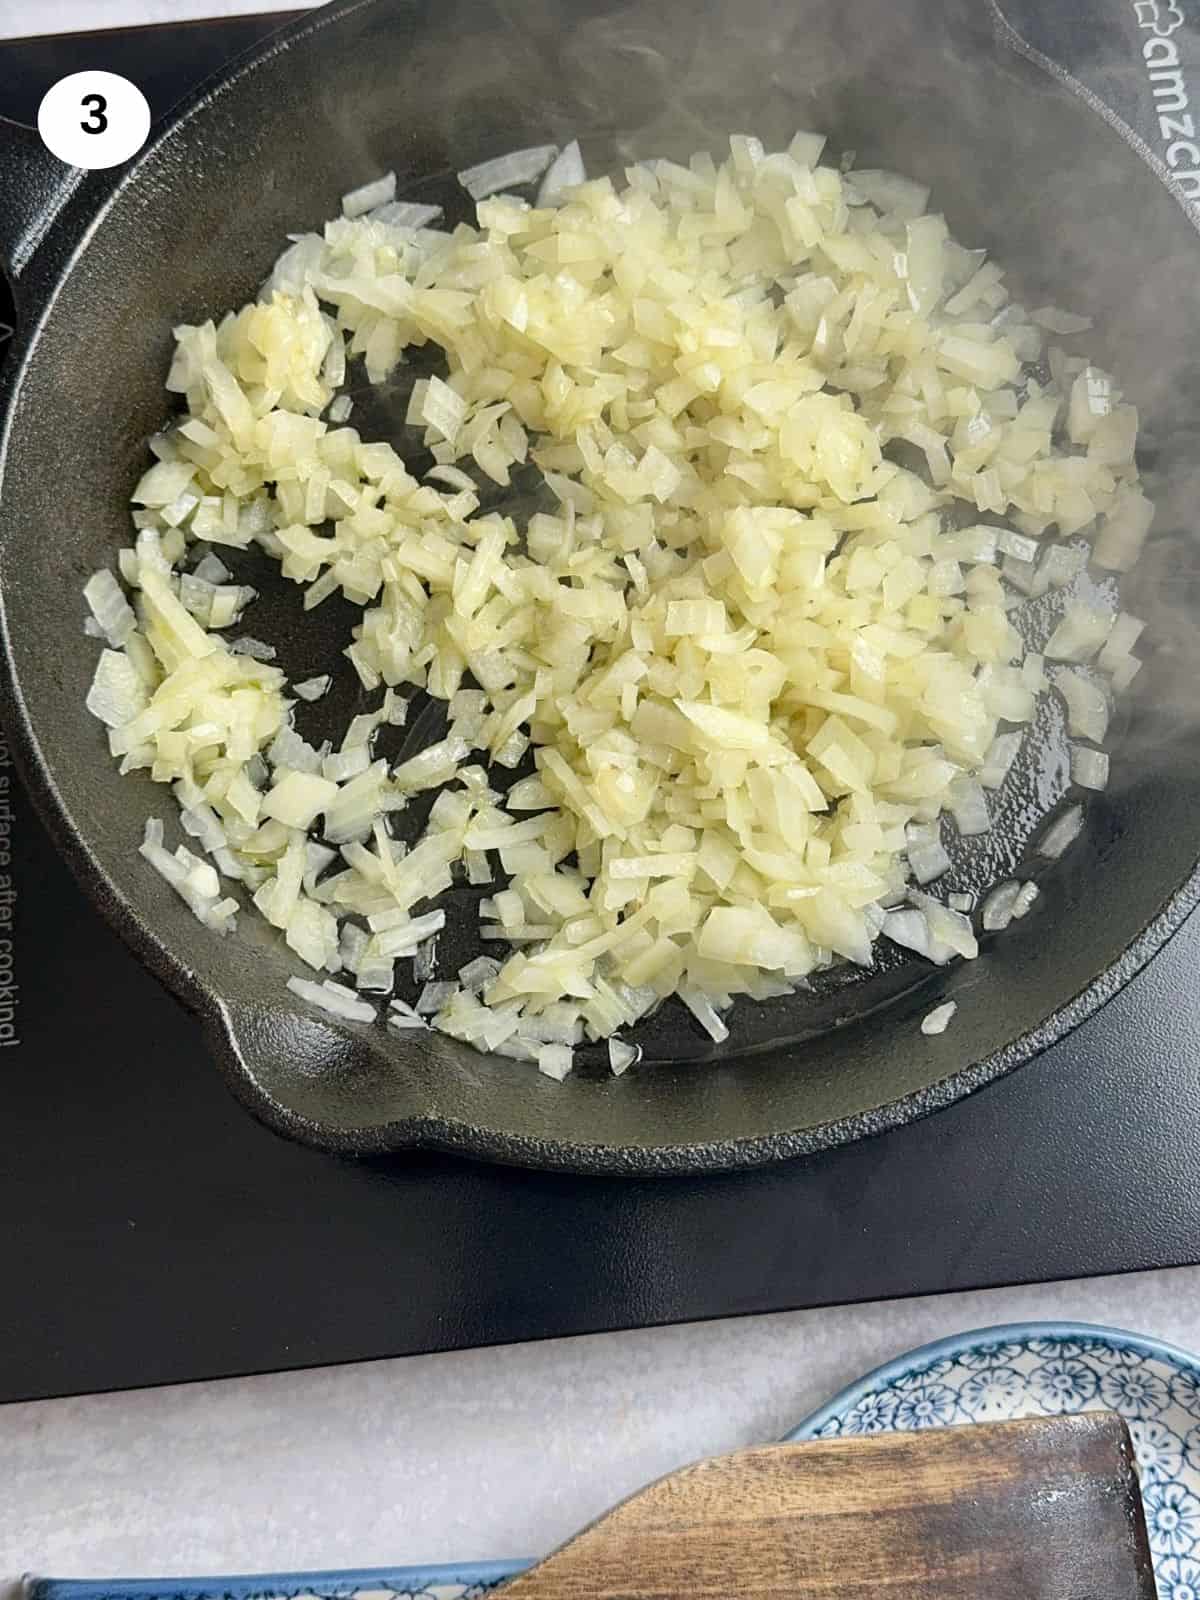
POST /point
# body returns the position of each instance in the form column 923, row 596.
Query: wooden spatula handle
column 1041, row 1510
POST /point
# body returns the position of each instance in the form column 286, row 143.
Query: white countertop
column 473, row 1455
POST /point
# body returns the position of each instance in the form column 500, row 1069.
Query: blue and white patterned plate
column 993, row 1375
column 461, row 1581
column 1043, row 1369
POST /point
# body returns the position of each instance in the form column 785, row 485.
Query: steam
column 980, row 107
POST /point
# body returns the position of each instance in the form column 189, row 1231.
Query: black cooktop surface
column 151, row 1232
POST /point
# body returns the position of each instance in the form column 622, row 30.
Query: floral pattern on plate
column 469, row 1581
column 999, row 1374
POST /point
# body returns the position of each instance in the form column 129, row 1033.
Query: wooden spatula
column 1008, row 1511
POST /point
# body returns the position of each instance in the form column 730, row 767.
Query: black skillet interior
column 1018, row 163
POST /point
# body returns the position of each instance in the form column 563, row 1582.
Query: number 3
column 96, row 120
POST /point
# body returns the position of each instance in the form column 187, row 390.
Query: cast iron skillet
column 105, row 265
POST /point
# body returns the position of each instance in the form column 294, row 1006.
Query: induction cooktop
column 151, row 1232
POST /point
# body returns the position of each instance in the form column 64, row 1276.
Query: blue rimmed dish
column 1048, row 1369
column 463, row 1580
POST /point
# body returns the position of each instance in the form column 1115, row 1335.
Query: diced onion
column 1062, row 322
column 298, row 798
column 1087, row 705
column 345, row 764
column 908, row 929
column 507, row 172
column 999, row 907
column 939, row 1019
column 477, row 974
column 1060, row 565
column 891, row 192
column 1126, row 631
column 401, row 1015
column 1124, row 530
column 947, row 927
column 1026, row 895
column 751, row 658
column 439, row 406
column 1017, row 545
column 117, row 694
column 621, row 1056
column 1002, row 752
column 334, row 998
column 968, row 806
column 108, row 605
column 701, row 1008
column 928, row 861
column 290, row 750
column 193, row 880
column 434, row 996
column 564, row 172
column 376, row 193
column 1089, row 768
column 555, row 1060
column 1083, row 631
column 1061, row 833
column 405, row 214
column 250, row 646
